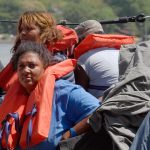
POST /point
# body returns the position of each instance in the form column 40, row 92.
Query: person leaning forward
column 97, row 54
column 40, row 108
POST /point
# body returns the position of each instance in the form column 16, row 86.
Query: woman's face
column 30, row 69
column 31, row 33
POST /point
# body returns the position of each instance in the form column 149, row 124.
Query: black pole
column 139, row 18
column 8, row 21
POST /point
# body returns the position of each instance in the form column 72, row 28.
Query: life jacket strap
column 6, row 127
column 1, row 132
column 30, row 114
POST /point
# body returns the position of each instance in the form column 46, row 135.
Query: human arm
column 81, row 77
column 79, row 128
column 81, row 105
column 100, row 98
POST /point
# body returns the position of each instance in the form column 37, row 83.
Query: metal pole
column 139, row 18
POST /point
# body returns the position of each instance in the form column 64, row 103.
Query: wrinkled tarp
column 124, row 107
column 126, row 104
column 142, row 137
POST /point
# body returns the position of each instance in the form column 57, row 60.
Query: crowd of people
column 74, row 89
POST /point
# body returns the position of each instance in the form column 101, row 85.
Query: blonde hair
column 46, row 23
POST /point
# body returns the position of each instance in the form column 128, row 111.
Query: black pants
column 88, row 141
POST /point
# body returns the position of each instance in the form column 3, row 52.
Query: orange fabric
column 7, row 77
column 69, row 39
column 42, row 96
column 93, row 41
column 17, row 101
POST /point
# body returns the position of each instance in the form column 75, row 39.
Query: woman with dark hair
column 40, row 26
column 45, row 108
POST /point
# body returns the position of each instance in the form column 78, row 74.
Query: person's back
column 101, row 66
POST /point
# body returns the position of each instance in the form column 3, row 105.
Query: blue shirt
column 61, row 56
column 71, row 104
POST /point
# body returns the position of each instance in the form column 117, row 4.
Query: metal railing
column 139, row 18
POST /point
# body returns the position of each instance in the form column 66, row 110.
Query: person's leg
column 88, row 141
column 142, row 138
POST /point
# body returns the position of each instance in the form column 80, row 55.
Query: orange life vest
column 15, row 101
column 93, row 41
column 8, row 76
column 70, row 38
column 19, row 102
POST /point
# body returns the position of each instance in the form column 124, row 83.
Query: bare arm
column 81, row 77
column 80, row 127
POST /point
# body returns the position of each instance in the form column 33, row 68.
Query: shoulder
column 65, row 85
column 76, row 99
column 75, row 92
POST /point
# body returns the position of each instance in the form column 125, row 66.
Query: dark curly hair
column 29, row 46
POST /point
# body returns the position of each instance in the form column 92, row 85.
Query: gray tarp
column 126, row 104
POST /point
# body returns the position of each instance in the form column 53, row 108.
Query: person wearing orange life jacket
column 40, row 26
column 97, row 54
column 45, row 110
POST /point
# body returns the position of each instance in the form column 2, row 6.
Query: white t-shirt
column 101, row 66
